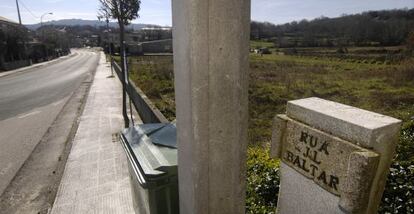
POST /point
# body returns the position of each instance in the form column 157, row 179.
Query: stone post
column 334, row 158
column 211, row 63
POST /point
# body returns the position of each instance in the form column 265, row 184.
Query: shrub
column 262, row 181
column 405, row 148
column 399, row 191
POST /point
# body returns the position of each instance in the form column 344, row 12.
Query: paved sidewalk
column 96, row 179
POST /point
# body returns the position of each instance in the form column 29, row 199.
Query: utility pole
column 20, row 22
column 18, row 12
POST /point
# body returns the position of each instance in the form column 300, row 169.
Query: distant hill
column 81, row 22
column 384, row 28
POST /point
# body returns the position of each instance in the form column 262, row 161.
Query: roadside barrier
column 143, row 105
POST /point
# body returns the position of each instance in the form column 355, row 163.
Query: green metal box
column 152, row 161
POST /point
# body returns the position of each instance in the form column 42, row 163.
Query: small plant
column 262, row 181
column 399, row 191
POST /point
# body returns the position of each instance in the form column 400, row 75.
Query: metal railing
column 143, row 105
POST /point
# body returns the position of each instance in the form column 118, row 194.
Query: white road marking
column 57, row 103
column 29, row 114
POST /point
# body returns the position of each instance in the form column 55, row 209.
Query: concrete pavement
column 96, row 179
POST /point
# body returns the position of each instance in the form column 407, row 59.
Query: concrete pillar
column 211, row 63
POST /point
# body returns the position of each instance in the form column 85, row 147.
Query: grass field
column 386, row 89
column 275, row 79
column 359, row 55
column 260, row 44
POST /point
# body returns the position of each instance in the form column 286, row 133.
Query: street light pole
column 41, row 17
column 43, row 36
column 106, row 16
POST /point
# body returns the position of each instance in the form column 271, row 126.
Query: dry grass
column 274, row 79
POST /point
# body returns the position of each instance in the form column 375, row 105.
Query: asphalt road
column 29, row 103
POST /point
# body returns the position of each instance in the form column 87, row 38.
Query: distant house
column 156, row 33
column 91, row 40
column 152, row 40
column 157, row 46
column 12, row 45
column 4, row 22
column 150, row 47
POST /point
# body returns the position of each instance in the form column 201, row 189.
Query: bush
column 399, row 191
column 405, row 148
column 262, row 181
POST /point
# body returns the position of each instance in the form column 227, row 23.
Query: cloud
column 7, row 7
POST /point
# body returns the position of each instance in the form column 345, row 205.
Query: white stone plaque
column 317, row 155
column 332, row 154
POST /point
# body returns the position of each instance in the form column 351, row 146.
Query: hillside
column 81, row 22
column 372, row 28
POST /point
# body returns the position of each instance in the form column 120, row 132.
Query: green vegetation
column 260, row 44
column 387, row 89
column 372, row 28
column 399, row 192
column 154, row 75
column 275, row 79
column 262, row 181
column 365, row 55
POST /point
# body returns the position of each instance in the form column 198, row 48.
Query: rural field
column 376, row 79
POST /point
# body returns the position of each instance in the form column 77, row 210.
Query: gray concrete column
column 211, row 63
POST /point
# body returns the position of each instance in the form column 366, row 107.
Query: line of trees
column 12, row 39
column 385, row 28
column 20, row 46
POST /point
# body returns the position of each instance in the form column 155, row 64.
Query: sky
column 159, row 11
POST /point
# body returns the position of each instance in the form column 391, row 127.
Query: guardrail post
column 211, row 63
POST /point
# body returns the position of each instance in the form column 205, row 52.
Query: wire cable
column 25, row 7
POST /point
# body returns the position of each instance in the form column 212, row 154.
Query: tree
column 12, row 40
column 410, row 42
column 124, row 11
column 388, row 27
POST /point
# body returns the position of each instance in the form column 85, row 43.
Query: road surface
column 29, row 103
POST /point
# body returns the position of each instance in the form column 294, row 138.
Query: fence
column 145, row 108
